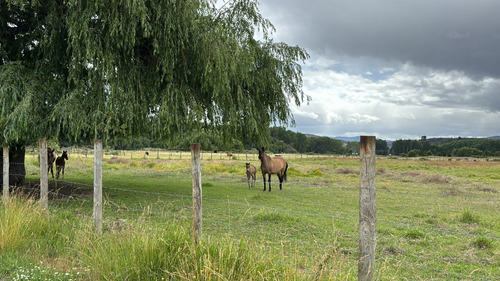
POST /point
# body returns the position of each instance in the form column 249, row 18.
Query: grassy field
column 436, row 220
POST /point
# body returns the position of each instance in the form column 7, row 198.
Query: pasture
column 436, row 219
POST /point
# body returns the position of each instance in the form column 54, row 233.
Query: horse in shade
column 61, row 163
column 276, row 165
column 51, row 157
column 251, row 173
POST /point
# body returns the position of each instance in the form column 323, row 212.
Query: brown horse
column 276, row 165
column 51, row 157
column 251, row 173
column 61, row 163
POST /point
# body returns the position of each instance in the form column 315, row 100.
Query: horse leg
column 269, row 182
column 248, row 180
column 51, row 170
column 281, row 180
column 264, row 180
column 63, row 171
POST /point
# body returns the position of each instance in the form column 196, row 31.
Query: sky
column 397, row 69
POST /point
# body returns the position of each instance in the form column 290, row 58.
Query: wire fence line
column 299, row 212
column 266, row 233
column 316, row 244
column 172, row 154
column 312, row 185
column 344, row 216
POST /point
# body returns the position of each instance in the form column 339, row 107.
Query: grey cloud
column 459, row 35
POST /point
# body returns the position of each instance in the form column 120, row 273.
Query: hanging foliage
column 115, row 69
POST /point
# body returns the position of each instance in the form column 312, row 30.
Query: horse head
column 261, row 153
column 65, row 154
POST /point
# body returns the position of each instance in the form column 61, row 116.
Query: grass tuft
column 469, row 217
column 414, row 234
column 483, row 243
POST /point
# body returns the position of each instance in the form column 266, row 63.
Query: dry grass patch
column 484, row 189
column 118, row 160
column 436, row 179
column 346, row 171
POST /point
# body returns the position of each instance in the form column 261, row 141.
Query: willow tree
column 119, row 69
column 33, row 75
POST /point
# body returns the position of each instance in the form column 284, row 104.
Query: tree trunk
column 17, row 171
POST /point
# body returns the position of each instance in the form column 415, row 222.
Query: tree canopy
column 120, row 69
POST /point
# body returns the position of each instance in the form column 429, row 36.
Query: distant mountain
column 494, row 137
column 347, row 139
column 312, row 136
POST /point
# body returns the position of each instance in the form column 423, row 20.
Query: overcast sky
column 395, row 69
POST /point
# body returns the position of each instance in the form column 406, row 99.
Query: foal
column 60, row 163
column 251, row 172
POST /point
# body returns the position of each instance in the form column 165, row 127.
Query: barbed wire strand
column 291, row 211
column 345, row 250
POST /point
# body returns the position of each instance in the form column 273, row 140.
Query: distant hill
column 494, row 137
column 312, row 136
column 347, row 139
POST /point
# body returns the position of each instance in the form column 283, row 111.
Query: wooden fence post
column 197, row 194
column 98, row 186
column 367, row 212
column 5, row 183
column 44, row 176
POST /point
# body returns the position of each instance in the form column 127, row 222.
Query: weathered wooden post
column 98, row 186
column 367, row 213
column 197, row 194
column 44, row 178
column 5, row 183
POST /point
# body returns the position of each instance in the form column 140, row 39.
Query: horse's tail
column 284, row 174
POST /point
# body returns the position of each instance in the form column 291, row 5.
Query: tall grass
column 21, row 222
column 153, row 253
column 141, row 249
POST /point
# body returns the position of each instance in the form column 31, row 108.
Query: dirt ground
column 57, row 190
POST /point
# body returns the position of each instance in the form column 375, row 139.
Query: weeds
column 482, row 243
column 469, row 217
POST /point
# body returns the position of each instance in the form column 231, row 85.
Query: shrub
column 414, row 153
column 315, row 173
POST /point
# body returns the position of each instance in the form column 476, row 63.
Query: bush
column 467, row 152
column 414, row 153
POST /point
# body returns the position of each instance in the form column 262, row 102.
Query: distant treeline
column 282, row 141
column 459, row 147
column 286, row 141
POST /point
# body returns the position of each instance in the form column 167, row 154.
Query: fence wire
column 348, row 217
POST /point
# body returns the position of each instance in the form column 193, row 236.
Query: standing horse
column 60, row 163
column 51, row 157
column 276, row 165
column 251, row 173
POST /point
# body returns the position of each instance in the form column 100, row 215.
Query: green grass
column 436, row 220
